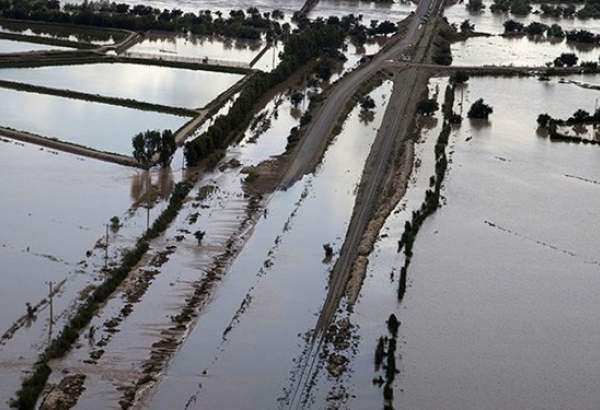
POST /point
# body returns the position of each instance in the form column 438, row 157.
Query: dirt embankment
column 68, row 147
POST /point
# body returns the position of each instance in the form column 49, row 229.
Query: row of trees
column 539, row 29
column 248, row 24
column 579, row 117
column 316, row 39
column 153, row 145
column 591, row 8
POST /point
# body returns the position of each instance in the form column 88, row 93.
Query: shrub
column 479, row 110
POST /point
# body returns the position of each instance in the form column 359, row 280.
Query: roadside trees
column 427, row 107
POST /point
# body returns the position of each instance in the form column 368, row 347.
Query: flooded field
column 280, row 274
column 287, row 6
column 522, row 51
column 100, row 126
column 99, row 37
column 494, row 309
column 393, row 11
column 12, row 46
column 159, row 85
column 219, row 214
column 211, row 48
column 51, row 220
column 488, row 22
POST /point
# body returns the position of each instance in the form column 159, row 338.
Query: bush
column 479, row 110
column 427, row 107
column 459, row 77
column 566, row 59
column 543, row 120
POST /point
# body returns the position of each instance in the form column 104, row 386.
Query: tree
column 296, row 98
column 459, row 77
column 150, row 143
column 520, row 7
column 566, row 59
column 543, row 120
column 466, row 27
column 579, row 116
column 511, row 26
column 555, row 31
column 475, row 5
column 479, row 110
column 367, row 103
column 427, row 107
column 536, row 29
column 168, row 147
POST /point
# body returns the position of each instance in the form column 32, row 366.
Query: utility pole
column 106, row 249
column 50, row 297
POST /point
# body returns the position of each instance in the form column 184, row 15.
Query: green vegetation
column 480, row 110
column 149, row 144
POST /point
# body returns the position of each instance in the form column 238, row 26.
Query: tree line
column 590, row 9
column 248, row 24
column 318, row 39
column 539, row 29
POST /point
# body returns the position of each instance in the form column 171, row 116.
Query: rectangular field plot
column 12, row 46
column 158, row 85
column 211, row 48
column 99, row 126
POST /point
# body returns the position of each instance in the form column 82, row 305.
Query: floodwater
column 212, row 48
column 270, row 59
column 523, row 51
column 489, row 22
column 220, row 216
column 497, row 50
column 12, row 46
column 99, row 37
column 393, row 11
column 100, row 126
column 250, row 335
column 159, row 85
column 377, row 297
column 500, row 309
column 287, row 6
column 51, row 217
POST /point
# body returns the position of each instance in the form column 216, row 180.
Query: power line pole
column 106, row 249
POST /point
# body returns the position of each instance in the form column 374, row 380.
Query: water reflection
column 149, row 187
column 210, row 47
